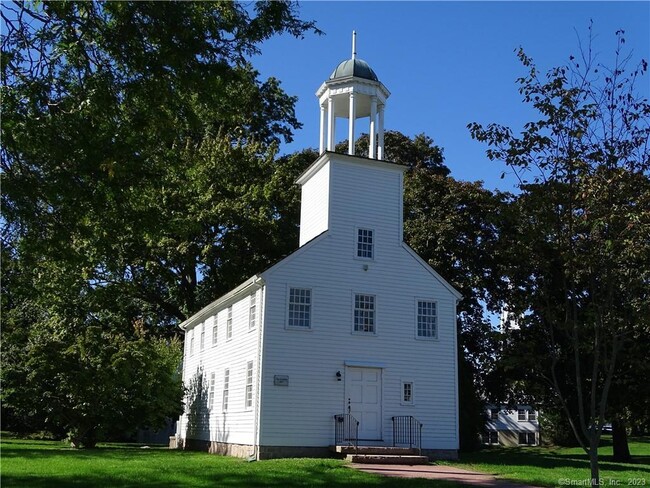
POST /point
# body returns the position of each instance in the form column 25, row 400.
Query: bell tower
column 352, row 92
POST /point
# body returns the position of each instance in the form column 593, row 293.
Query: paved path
column 432, row 471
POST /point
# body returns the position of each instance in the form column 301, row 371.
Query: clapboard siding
column 236, row 425
column 302, row 413
column 314, row 205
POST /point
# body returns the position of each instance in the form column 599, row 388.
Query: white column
column 323, row 120
column 380, row 145
column 352, row 115
column 330, row 124
column 372, row 130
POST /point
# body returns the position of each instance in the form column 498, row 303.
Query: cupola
column 353, row 91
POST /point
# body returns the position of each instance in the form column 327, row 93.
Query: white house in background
column 511, row 426
column 352, row 325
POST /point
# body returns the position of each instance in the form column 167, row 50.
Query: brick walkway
column 432, row 471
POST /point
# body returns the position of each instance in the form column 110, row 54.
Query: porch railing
column 407, row 431
column 346, row 430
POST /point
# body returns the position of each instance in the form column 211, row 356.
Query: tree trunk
column 619, row 442
column 593, row 460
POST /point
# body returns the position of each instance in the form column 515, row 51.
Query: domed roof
column 354, row 67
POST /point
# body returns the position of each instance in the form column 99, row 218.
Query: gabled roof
column 433, row 272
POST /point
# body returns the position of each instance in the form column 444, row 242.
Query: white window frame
column 527, row 440
column 521, row 411
column 532, row 415
column 191, row 332
column 354, row 314
column 358, row 242
column 211, row 390
column 215, row 331
column 403, row 386
column 252, row 312
column 226, row 390
column 494, row 414
column 310, row 309
column 248, row 392
column 202, row 337
column 419, row 337
column 489, row 433
column 229, row 323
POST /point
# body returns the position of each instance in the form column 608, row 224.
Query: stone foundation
column 213, row 447
column 276, row 452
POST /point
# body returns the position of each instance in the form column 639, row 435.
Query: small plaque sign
column 281, row 380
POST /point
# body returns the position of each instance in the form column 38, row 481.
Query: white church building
column 351, row 339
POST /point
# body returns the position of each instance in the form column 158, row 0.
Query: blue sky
column 447, row 63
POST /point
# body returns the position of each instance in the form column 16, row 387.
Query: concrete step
column 384, row 450
column 386, row 459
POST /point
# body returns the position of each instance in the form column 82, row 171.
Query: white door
column 363, row 397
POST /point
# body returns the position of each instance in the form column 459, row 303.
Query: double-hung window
column 226, row 388
column 215, row 331
column 427, row 321
column 211, row 391
column 491, row 437
column 299, row 314
column 252, row 312
column 202, row 343
column 249, row 385
column 364, row 313
column 407, row 393
column 365, row 243
column 229, row 323
column 521, row 415
column 527, row 438
column 191, row 342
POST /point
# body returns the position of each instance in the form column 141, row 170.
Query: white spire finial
column 354, row 44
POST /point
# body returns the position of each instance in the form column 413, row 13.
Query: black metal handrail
column 407, row 430
column 346, row 430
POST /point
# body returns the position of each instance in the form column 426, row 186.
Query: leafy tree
column 139, row 182
column 580, row 264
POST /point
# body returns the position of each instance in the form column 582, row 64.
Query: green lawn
column 41, row 464
column 543, row 466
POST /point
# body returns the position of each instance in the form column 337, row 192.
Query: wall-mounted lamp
column 338, row 376
column 365, row 267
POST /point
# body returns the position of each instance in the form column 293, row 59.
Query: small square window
column 299, row 308
column 364, row 313
column 365, row 243
column 521, row 415
column 532, row 415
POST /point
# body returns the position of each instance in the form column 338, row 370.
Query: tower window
column 365, row 243
column 364, row 313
